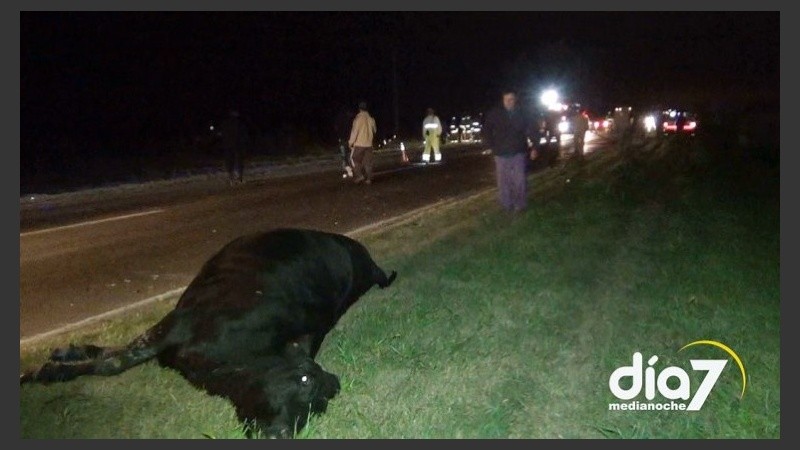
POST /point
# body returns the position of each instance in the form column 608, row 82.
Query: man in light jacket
column 361, row 136
column 431, row 133
column 580, row 125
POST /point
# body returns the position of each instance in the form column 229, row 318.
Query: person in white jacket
column 431, row 133
column 361, row 135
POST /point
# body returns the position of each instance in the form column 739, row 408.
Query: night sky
column 115, row 80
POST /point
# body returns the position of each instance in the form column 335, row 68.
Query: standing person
column 540, row 137
column 342, row 129
column 234, row 139
column 431, row 134
column 506, row 133
column 580, row 125
column 680, row 122
column 360, row 143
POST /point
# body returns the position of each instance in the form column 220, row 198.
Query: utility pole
column 394, row 93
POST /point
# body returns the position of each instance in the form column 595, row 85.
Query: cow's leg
column 109, row 362
column 80, row 353
column 302, row 344
column 307, row 344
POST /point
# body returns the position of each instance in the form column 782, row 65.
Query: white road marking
column 92, row 222
column 405, row 217
column 105, row 315
column 394, row 220
column 399, row 169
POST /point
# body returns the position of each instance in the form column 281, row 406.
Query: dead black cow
column 248, row 326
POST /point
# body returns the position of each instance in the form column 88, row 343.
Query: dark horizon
column 115, row 81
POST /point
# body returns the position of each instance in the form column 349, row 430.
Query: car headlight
column 649, row 123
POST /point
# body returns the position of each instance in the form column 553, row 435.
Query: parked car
column 465, row 129
column 678, row 121
column 453, row 133
column 600, row 124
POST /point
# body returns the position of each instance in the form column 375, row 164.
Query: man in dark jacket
column 234, row 139
column 506, row 132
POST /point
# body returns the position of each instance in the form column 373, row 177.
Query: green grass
column 502, row 327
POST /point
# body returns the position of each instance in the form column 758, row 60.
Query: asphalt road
column 81, row 260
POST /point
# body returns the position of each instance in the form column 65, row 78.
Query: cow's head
column 284, row 391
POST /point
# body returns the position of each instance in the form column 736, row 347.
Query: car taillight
column 691, row 125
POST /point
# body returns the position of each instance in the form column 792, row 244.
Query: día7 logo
column 653, row 380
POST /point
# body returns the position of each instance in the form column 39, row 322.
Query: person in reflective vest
column 431, row 133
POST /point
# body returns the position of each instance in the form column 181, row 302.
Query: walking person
column 506, row 133
column 234, row 139
column 342, row 123
column 540, row 137
column 580, row 125
column 431, row 134
column 362, row 134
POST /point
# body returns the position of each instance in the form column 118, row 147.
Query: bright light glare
column 649, row 123
column 549, row 97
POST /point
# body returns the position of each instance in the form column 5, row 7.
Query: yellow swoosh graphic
column 730, row 352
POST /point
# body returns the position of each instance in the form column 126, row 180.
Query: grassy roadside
column 510, row 328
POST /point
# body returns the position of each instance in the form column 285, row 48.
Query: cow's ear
column 301, row 344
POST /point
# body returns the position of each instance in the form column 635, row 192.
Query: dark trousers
column 512, row 181
column 234, row 163
column 362, row 163
column 344, row 154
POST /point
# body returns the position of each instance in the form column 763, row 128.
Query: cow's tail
column 381, row 279
column 75, row 361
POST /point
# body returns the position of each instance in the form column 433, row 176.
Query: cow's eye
column 305, row 380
